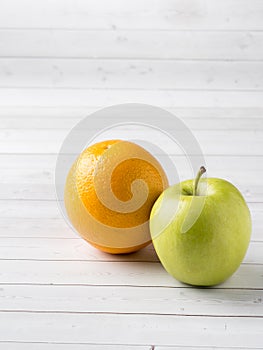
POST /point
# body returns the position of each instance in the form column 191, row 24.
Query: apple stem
column 201, row 171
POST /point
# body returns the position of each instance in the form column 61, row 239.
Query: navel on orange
column 109, row 193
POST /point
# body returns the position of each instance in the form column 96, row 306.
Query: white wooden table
column 59, row 61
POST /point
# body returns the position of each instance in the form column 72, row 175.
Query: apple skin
column 213, row 247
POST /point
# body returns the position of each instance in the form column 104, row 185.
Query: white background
column 61, row 60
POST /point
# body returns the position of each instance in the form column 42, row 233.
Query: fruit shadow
column 248, row 276
column 146, row 254
column 240, row 294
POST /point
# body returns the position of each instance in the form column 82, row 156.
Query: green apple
column 201, row 230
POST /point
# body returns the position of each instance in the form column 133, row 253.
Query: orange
column 109, row 193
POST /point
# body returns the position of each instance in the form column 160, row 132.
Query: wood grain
column 136, row 14
column 20, row 113
column 105, row 97
column 32, row 225
column 214, row 142
column 204, row 45
column 132, row 300
column 194, row 123
column 111, row 273
column 15, row 345
column 157, row 329
column 130, row 74
column 76, row 249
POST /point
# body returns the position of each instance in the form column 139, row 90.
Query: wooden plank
column 111, row 273
column 56, row 228
column 28, row 191
column 14, row 211
column 106, row 97
column 37, row 228
column 49, row 209
column 138, row 14
column 131, row 74
column 28, row 161
column 154, row 44
column 207, row 123
column 40, row 113
column 32, row 176
column 212, row 142
column 76, row 249
column 15, row 345
column 134, row 300
column 29, row 209
column 157, row 329
column 39, row 168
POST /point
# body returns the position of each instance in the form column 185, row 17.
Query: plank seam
column 134, row 58
column 124, row 286
column 128, row 313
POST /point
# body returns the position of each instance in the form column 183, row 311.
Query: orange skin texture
column 105, row 170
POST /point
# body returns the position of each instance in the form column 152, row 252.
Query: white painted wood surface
column 62, row 60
